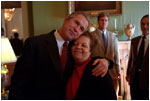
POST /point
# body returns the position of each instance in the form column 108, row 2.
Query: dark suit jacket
column 16, row 45
column 144, row 74
column 37, row 74
column 95, row 88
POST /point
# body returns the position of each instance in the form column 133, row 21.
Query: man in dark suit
column 38, row 72
column 16, row 44
column 138, row 65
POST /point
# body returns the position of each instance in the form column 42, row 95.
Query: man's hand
column 101, row 68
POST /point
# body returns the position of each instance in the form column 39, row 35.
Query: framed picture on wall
column 93, row 8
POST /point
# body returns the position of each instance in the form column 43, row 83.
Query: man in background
column 107, row 46
column 138, row 64
column 16, row 44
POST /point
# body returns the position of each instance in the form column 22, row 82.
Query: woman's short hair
column 92, row 41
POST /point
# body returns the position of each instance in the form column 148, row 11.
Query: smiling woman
column 82, row 84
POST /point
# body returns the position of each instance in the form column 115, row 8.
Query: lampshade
column 7, row 53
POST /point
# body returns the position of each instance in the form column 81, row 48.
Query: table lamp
column 7, row 56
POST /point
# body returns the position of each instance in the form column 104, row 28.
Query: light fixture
column 14, row 30
column 92, row 27
column 7, row 53
column 7, row 56
column 8, row 14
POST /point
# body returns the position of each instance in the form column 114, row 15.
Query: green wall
column 49, row 15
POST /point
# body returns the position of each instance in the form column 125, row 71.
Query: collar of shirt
column 146, row 43
column 147, row 36
column 59, row 41
column 104, row 33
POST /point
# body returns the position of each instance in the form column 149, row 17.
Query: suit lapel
column 101, row 42
column 135, row 46
column 108, row 41
column 54, row 53
column 147, row 53
column 86, row 77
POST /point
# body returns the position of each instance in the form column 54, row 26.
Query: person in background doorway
column 107, row 46
column 138, row 64
column 2, row 31
column 16, row 44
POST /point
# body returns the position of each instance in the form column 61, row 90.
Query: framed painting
column 93, row 8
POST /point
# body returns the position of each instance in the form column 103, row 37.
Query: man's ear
column 66, row 18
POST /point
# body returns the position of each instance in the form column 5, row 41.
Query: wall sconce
column 8, row 14
column 14, row 30
column 92, row 27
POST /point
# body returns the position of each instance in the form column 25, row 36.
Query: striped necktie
column 64, row 56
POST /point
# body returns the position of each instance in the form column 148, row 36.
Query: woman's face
column 81, row 49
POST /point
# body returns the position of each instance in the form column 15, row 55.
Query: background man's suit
column 111, row 52
column 40, row 63
column 144, row 73
column 16, row 44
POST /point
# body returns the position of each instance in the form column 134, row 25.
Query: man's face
column 103, row 23
column 73, row 28
column 145, row 26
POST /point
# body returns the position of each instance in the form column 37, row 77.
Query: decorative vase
column 129, row 30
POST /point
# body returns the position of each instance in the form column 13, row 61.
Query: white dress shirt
column 60, row 41
column 105, row 34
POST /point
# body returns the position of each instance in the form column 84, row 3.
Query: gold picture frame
column 93, row 8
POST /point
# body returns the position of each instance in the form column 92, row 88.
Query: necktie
column 64, row 56
column 141, row 54
column 105, row 40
